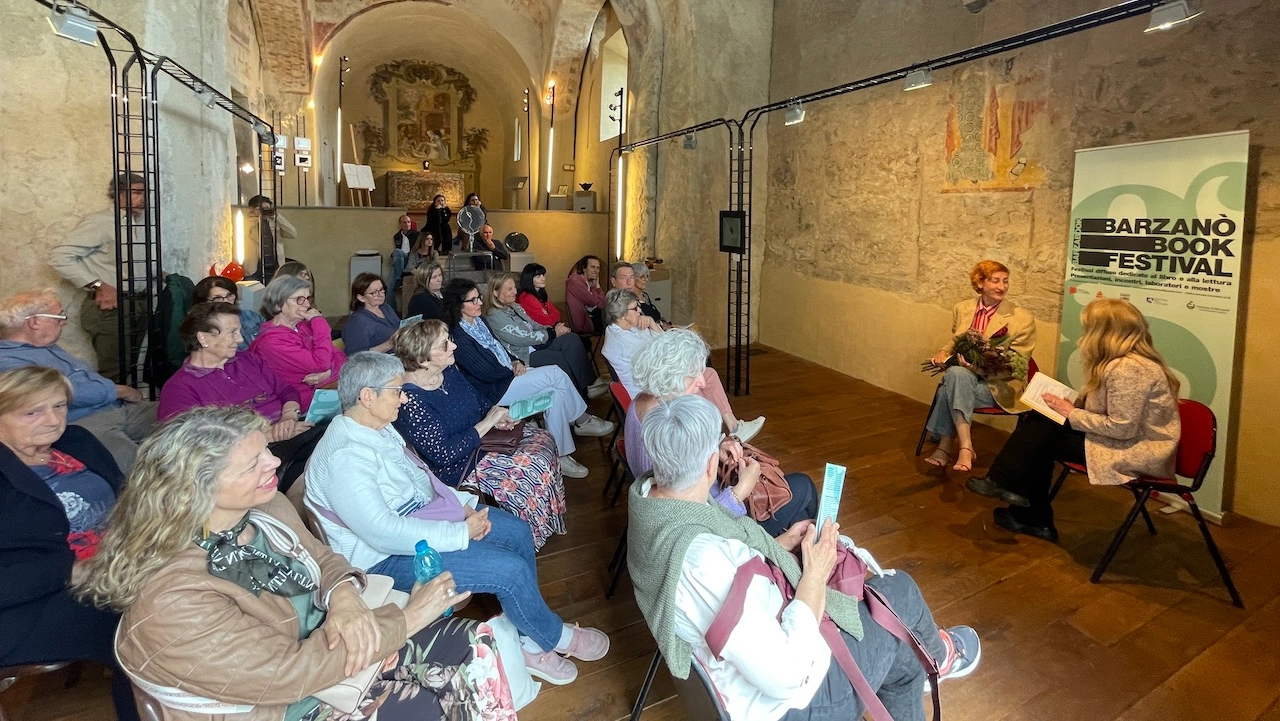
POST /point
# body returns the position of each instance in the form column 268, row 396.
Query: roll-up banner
column 1160, row 224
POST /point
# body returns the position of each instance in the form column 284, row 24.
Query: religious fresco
column 988, row 127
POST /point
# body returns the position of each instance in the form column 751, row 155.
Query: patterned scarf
column 250, row 568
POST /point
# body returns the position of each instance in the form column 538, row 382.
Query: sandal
column 938, row 458
column 960, row 464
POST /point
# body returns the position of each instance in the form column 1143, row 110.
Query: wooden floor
column 1157, row 640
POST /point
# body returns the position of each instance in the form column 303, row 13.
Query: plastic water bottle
column 427, row 565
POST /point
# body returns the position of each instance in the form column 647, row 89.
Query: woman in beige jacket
column 232, row 607
column 1127, row 424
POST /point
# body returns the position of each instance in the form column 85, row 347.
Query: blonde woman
column 962, row 390
column 232, row 608
column 1124, row 425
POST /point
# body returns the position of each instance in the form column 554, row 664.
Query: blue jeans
column 501, row 563
column 398, row 261
column 961, row 391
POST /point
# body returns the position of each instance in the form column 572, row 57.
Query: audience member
column 536, row 345
column 629, row 331
column 999, row 321
column 533, row 296
column 296, row 343
column 438, row 225
column 216, row 289
column 372, row 319
column 402, row 243
column 295, row 269
column 503, row 380
column 376, row 500
column 86, row 258
column 447, row 422
column 1127, row 423
column 263, row 210
column 493, row 245
column 216, row 374
column 646, row 303
column 207, row 561
column 428, row 301
column 674, row 364
column 584, row 297
column 622, row 277
column 57, row 486
column 685, row 556
column 30, row 325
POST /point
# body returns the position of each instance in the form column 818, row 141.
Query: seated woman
column 57, row 486
column 641, row 280
column 216, row 374
column 584, row 297
column 376, row 500
column 428, row 301
column 684, row 555
column 961, row 390
column 674, row 365
column 295, row 269
column 372, row 319
column 1127, row 424
column 533, row 296
column 216, row 289
column 446, row 420
column 503, row 380
column 223, row 568
column 537, row 345
column 297, row 343
column 630, row 330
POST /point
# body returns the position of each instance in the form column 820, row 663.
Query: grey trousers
column 121, row 429
column 890, row 666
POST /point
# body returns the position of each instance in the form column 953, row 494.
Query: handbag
column 771, row 492
column 347, row 694
column 500, row 441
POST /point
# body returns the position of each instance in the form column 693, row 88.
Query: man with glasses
column 30, row 325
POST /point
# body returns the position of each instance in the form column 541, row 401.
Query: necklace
column 435, row 384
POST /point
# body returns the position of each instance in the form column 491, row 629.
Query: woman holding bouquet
column 1001, row 324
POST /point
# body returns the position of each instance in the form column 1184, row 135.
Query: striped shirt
column 982, row 316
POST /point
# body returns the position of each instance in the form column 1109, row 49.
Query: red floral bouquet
column 988, row 358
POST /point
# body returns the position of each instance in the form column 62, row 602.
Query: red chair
column 1196, row 449
column 984, row 411
column 619, row 471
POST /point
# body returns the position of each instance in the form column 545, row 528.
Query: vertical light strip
column 620, row 209
column 551, row 149
column 237, row 247
column 337, row 162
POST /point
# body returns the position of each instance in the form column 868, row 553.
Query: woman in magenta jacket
column 297, row 342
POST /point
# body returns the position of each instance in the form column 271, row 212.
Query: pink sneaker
column 550, row 667
column 586, row 644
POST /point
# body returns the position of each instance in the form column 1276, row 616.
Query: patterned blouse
column 440, row 424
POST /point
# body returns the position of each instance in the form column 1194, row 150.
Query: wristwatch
column 93, row 286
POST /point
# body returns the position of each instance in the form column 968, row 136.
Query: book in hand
column 1042, row 383
column 411, row 320
column 829, row 501
column 531, row 406
column 324, row 406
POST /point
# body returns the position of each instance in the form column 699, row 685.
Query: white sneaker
column 747, row 430
column 597, row 389
column 571, row 468
column 598, row 427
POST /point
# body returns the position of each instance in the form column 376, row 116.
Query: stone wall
column 877, row 207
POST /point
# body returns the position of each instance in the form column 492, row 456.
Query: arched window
column 613, row 75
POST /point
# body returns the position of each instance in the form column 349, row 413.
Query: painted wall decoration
column 990, row 116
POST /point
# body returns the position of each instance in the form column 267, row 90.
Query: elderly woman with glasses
column 630, row 330
column 647, row 307
column 297, row 342
column 376, row 499
column 503, row 379
column 372, row 319
column 216, row 289
column 217, row 374
column 673, row 365
column 57, row 487
column 233, row 610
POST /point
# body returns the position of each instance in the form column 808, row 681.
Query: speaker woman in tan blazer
column 961, row 389
column 1126, row 425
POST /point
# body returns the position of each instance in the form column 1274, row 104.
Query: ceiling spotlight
column 246, row 168
column 628, row 149
column 73, row 23
column 794, row 114
column 208, row 97
column 1171, row 13
column 917, row 79
column 690, row 142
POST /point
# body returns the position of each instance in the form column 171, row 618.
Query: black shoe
column 984, row 486
column 1004, row 519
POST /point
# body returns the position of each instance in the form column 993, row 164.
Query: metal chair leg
column 613, row 472
column 622, row 483
column 1213, row 551
column 924, row 430
column 638, row 708
column 618, row 564
column 1142, row 497
column 1057, row 485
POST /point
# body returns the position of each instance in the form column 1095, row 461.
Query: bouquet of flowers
column 986, row 357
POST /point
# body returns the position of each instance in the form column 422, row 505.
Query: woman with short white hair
column 629, row 330
column 685, row 554
column 646, row 302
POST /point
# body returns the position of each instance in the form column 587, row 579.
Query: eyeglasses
column 634, row 307
column 55, row 316
column 471, row 300
column 301, row 299
column 397, row 389
column 222, row 299
column 380, row 291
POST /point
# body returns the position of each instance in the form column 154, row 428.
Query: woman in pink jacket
column 296, row 343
